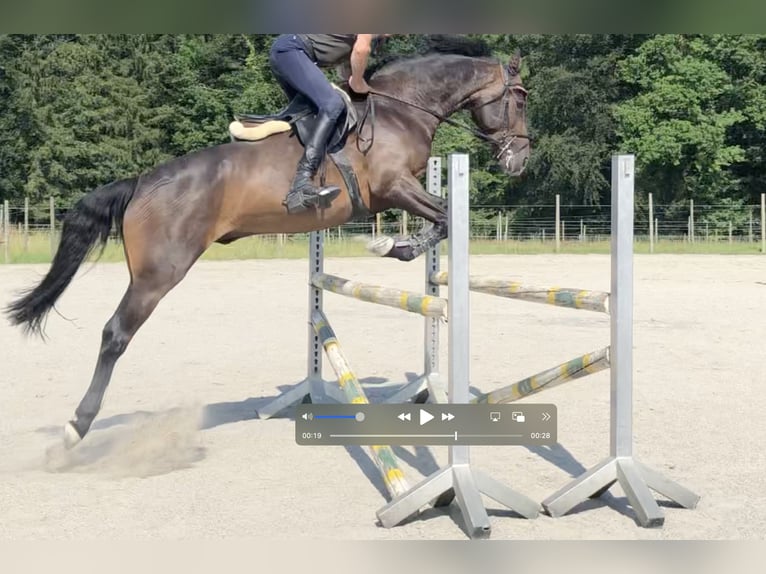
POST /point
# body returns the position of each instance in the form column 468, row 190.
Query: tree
column 679, row 118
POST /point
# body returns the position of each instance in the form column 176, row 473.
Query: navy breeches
column 297, row 73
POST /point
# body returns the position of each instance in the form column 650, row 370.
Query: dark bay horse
column 169, row 216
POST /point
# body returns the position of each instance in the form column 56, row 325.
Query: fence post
column 763, row 223
column 52, row 211
column 6, row 227
column 691, row 220
column 26, row 224
column 656, row 230
column 731, row 238
column 651, row 224
column 558, row 222
column 404, row 223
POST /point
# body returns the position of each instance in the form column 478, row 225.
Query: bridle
column 504, row 142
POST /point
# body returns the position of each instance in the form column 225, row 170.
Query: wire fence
column 550, row 224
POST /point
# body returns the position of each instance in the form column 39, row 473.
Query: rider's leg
column 293, row 67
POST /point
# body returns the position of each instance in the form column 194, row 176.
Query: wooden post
column 26, row 224
column 6, row 228
column 378, row 225
column 731, row 238
column 582, row 230
column 507, row 223
column 558, row 222
column 52, row 213
column 563, row 231
column 763, row 223
column 404, row 223
column 656, row 230
column 651, row 224
column 750, row 229
column 499, row 226
column 691, row 220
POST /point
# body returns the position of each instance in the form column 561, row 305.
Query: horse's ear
column 514, row 64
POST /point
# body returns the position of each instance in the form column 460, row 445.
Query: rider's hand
column 360, row 86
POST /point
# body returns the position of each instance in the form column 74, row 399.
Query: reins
column 369, row 111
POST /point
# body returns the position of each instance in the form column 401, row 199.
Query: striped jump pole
column 384, row 456
column 425, row 305
column 558, row 296
column 571, row 370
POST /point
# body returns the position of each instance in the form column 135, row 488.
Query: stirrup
column 298, row 201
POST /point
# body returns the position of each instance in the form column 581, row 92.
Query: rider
column 296, row 60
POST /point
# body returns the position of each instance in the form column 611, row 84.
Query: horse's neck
column 465, row 77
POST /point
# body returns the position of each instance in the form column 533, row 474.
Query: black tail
column 86, row 225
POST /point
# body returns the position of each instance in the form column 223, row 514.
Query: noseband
column 508, row 138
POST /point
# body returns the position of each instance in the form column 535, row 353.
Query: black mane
column 431, row 45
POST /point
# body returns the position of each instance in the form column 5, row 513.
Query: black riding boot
column 303, row 194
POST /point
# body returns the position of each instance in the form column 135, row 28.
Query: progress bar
column 374, row 436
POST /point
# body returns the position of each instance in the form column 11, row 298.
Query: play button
column 425, row 416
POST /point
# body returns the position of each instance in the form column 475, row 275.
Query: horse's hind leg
column 154, row 272
column 140, row 299
column 409, row 195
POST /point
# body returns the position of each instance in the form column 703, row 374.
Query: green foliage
column 680, row 117
column 80, row 111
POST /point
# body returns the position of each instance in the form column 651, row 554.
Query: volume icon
column 307, row 416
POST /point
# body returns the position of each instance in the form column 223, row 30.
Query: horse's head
column 500, row 112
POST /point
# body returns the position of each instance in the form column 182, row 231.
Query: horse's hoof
column 71, row 436
column 381, row 246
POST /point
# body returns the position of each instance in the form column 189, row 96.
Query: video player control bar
column 415, row 424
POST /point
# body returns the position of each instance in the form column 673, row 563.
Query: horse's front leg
column 406, row 193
